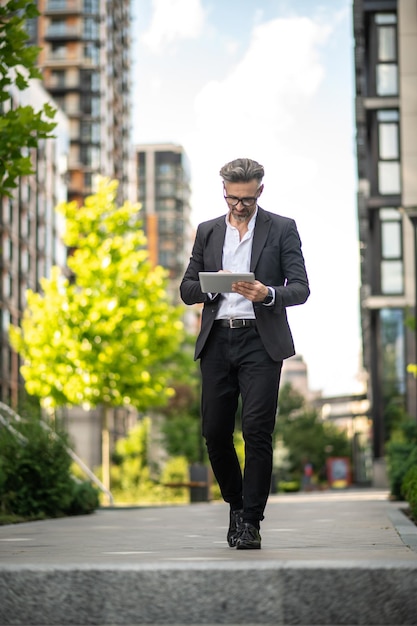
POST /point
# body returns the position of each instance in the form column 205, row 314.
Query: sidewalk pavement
column 333, row 557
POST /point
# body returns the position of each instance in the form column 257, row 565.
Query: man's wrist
column 269, row 297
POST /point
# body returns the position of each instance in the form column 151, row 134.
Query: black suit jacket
column 276, row 260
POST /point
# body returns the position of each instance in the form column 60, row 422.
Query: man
column 244, row 338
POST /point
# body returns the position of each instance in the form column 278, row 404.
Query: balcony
column 57, row 86
column 63, row 32
column 63, row 7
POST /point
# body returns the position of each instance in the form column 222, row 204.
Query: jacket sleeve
column 295, row 289
column 190, row 289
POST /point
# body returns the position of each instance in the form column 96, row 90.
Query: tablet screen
column 221, row 282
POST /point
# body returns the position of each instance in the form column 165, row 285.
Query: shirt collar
column 251, row 224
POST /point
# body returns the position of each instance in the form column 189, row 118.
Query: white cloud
column 269, row 107
column 173, row 20
column 287, row 103
column 255, row 108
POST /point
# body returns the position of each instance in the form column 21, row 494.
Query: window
column 57, row 5
column 24, row 260
column 6, row 320
column 392, row 278
column 58, row 51
column 392, row 351
column 58, row 78
column 167, row 204
column 8, row 285
column 91, row 6
column 57, row 28
column 90, row 80
column 7, row 248
column 88, row 180
column 90, row 105
column 90, row 156
column 31, row 27
column 61, row 102
column 166, row 189
column 92, row 53
column 386, row 57
column 90, row 28
column 90, row 132
column 165, row 170
column 389, row 179
column 165, row 258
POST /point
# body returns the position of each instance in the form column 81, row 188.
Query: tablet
column 221, row 282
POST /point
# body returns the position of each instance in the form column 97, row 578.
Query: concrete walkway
column 336, row 557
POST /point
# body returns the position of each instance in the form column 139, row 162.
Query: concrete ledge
column 251, row 592
column 406, row 529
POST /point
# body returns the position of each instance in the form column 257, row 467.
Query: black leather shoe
column 234, row 527
column 248, row 538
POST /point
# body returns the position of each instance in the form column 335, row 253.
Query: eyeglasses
column 246, row 202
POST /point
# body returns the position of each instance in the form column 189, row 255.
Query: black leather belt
column 235, row 323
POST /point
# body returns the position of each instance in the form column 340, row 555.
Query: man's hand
column 255, row 292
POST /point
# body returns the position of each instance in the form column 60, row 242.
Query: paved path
column 347, row 525
column 354, row 545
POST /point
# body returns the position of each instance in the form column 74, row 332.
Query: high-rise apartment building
column 30, row 230
column 163, row 180
column 386, row 118
column 85, row 62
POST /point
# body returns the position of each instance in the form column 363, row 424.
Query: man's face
column 247, row 194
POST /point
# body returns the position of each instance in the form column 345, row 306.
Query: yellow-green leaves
column 110, row 334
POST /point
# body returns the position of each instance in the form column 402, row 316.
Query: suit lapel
column 219, row 234
column 262, row 226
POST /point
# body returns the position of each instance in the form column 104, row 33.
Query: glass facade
column 30, row 242
column 391, row 258
column 164, row 191
column 386, row 66
column 392, row 351
column 389, row 173
column 388, row 344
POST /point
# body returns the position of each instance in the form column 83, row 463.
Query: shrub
column 401, row 452
column 35, row 474
column 409, row 490
column 85, row 499
column 288, row 486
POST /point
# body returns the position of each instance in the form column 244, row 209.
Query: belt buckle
column 232, row 323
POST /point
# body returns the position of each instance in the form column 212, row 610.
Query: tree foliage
column 132, row 479
column 305, row 436
column 21, row 127
column 108, row 335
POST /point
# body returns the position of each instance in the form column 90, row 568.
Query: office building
column 163, row 189
column 85, row 63
column 30, row 230
column 385, row 33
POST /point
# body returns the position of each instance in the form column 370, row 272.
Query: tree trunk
column 105, row 451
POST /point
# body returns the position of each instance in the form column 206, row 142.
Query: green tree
column 21, row 127
column 181, row 429
column 108, row 335
column 305, row 435
column 133, row 478
column 308, row 438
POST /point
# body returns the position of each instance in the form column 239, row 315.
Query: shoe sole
column 257, row 547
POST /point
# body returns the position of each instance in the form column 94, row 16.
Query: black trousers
column 234, row 362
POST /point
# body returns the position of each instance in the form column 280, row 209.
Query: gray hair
column 242, row 171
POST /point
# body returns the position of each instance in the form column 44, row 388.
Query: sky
column 272, row 80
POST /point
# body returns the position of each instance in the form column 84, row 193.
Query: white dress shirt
column 236, row 258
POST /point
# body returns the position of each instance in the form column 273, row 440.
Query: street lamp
column 411, row 212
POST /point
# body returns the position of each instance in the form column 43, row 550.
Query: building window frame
column 383, row 54
column 388, row 266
